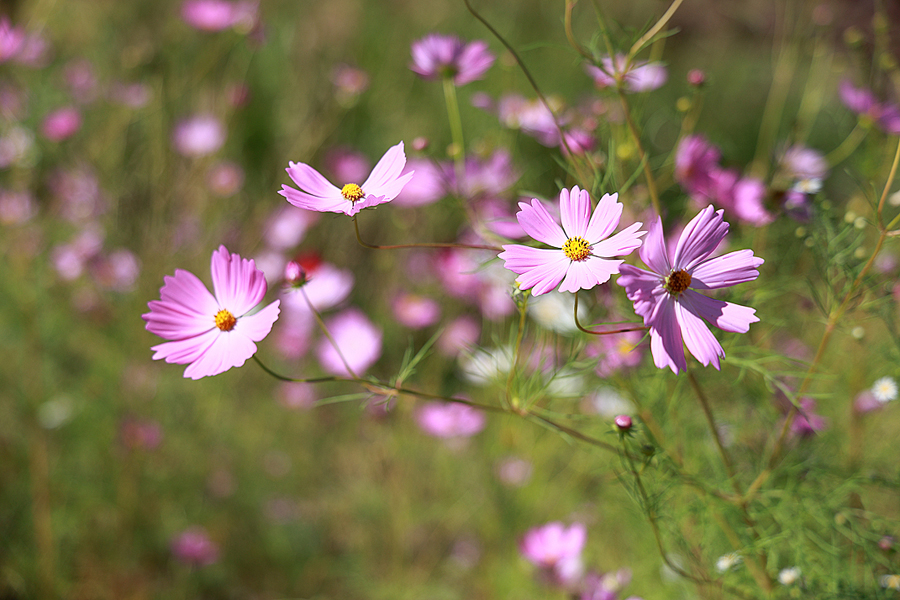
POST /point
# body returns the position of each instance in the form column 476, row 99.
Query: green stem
column 648, row 173
column 611, row 332
column 513, row 403
column 456, row 132
column 850, row 143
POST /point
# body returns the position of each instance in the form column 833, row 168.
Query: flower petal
column 186, row 308
column 665, row 339
column 308, row 202
column 238, row 284
column 185, row 351
column 653, row 251
column 699, row 238
column 538, row 268
column 575, row 211
column 258, row 325
column 538, row 223
column 583, row 275
column 621, row 244
column 311, row 181
column 697, row 336
column 605, row 219
column 644, row 288
column 724, row 315
column 386, row 171
column 228, row 349
column 726, row 270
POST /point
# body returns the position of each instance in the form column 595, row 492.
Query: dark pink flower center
column 225, row 320
column 677, row 281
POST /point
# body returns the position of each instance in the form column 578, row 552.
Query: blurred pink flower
column 615, row 352
column 514, row 472
column 297, row 395
column 35, row 51
column 61, row 124
column 807, row 423
column 357, row 337
column 640, row 76
column 866, row 402
column 667, row 299
column 800, row 162
column 695, row 161
column 324, row 285
column 198, row 136
column 70, row 259
column 225, row 178
column 216, row 15
column 81, row 80
column 16, row 207
column 316, row 193
column 416, row 311
column 12, row 39
column 286, row 227
column 581, row 248
column 463, row 332
column 132, row 95
column 118, row 271
column 556, row 550
column 429, row 183
column 211, row 333
column 140, row 434
column 349, row 82
column 449, row 419
column 77, row 191
column 16, row 146
column 347, row 164
column 436, row 56
column 193, row 547
column 864, row 103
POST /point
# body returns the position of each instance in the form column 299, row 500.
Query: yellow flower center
column 225, row 320
column 677, row 281
column 352, row 192
column 576, row 248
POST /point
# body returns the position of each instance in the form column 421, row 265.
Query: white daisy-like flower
column 727, row 561
column 789, row 576
column 891, row 582
column 885, row 389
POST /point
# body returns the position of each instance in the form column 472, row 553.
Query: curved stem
column 846, row 148
column 648, row 173
column 581, row 328
column 644, row 39
column 456, row 132
column 365, row 244
column 328, row 335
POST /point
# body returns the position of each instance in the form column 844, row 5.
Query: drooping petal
column 699, row 238
column 697, row 336
column 238, row 284
column 621, row 244
column 643, row 288
column 583, row 275
column 311, row 181
column 726, row 270
column 538, row 223
column 665, row 339
column 187, row 350
column 307, row 202
column 653, row 250
column 176, row 321
column 538, row 268
column 575, row 211
column 727, row 316
column 385, row 172
column 258, row 325
column 229, row 349
column 605, row 219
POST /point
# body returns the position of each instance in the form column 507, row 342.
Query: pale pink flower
column 286, row 227
column 436, row 56
column 429, row 183
column 667, row 299
column 556, row 550
column 415, row 311
column 316, row 193
column 346, row 164
column 615, row 352
column 297, row 395
column 449, row 419
column 212, row 333
column 194, row 548
column 357, row 337
column 61, row 124
column 217, row 15
column 807, row 422
column 12, row 39
column 225, row 178
column 640, row 76
column 581, row 247
column 462, row 333
column 16, row 207
column 118, row 271
column 198, row 136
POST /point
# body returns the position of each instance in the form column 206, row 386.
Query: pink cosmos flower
column 211, row 332
column 580, row 246
column 640, row 76
column 864, row 103
column 198, row 136
column 556, row 549
column 436, row 56
column 194, row 548
column 667, row 299
column 316, row 193
column 216, row 15
column 415, row 311
column 61, row 124
column 695, row 161
column 449, row 419
column 12, row 39
column 357, row 337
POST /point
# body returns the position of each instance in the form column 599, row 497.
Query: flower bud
column 696, row 77
column 420, row 143
column 295, row 275
column 623, row 423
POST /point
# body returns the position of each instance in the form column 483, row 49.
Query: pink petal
column 643, row 288
column 727, row 270
column 229, row 349
column 665, row 339
column 605, row 219
column 697, row 337
column 238, row 284
column 699, row 238
column 621, row 244
column 186, row 289
column 311, row 181
column 177, row 322
column 258, row 325
column 386, row 170
column 583, row 275
column 185, row 351
column 653, row 251
column 727, row 316
column 538, row 223
column 307, row 202
column 575, row 211
column 539, row 268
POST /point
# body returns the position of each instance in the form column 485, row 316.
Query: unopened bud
column 623, row 422
column 696, row 77
column 294, row 274
column 420, row 143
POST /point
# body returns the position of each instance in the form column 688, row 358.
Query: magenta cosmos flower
column 436, row 56
column 211, row 332
column 667, row 299
column 316, row 193
column 556, row 549
column 578, row 258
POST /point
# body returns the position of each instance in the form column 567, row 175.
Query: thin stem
column 707, row 411
column 663, row 20
column 570, row 35
column 420, row 245
column 581, row 328
column 456, row 131
column 328, row 335
column 846, row 148
column 648, row 173
column 513, row 403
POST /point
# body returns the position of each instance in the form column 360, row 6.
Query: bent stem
column 651, row 33
column 365, row 244
column 611, row 332
column 850, row 143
